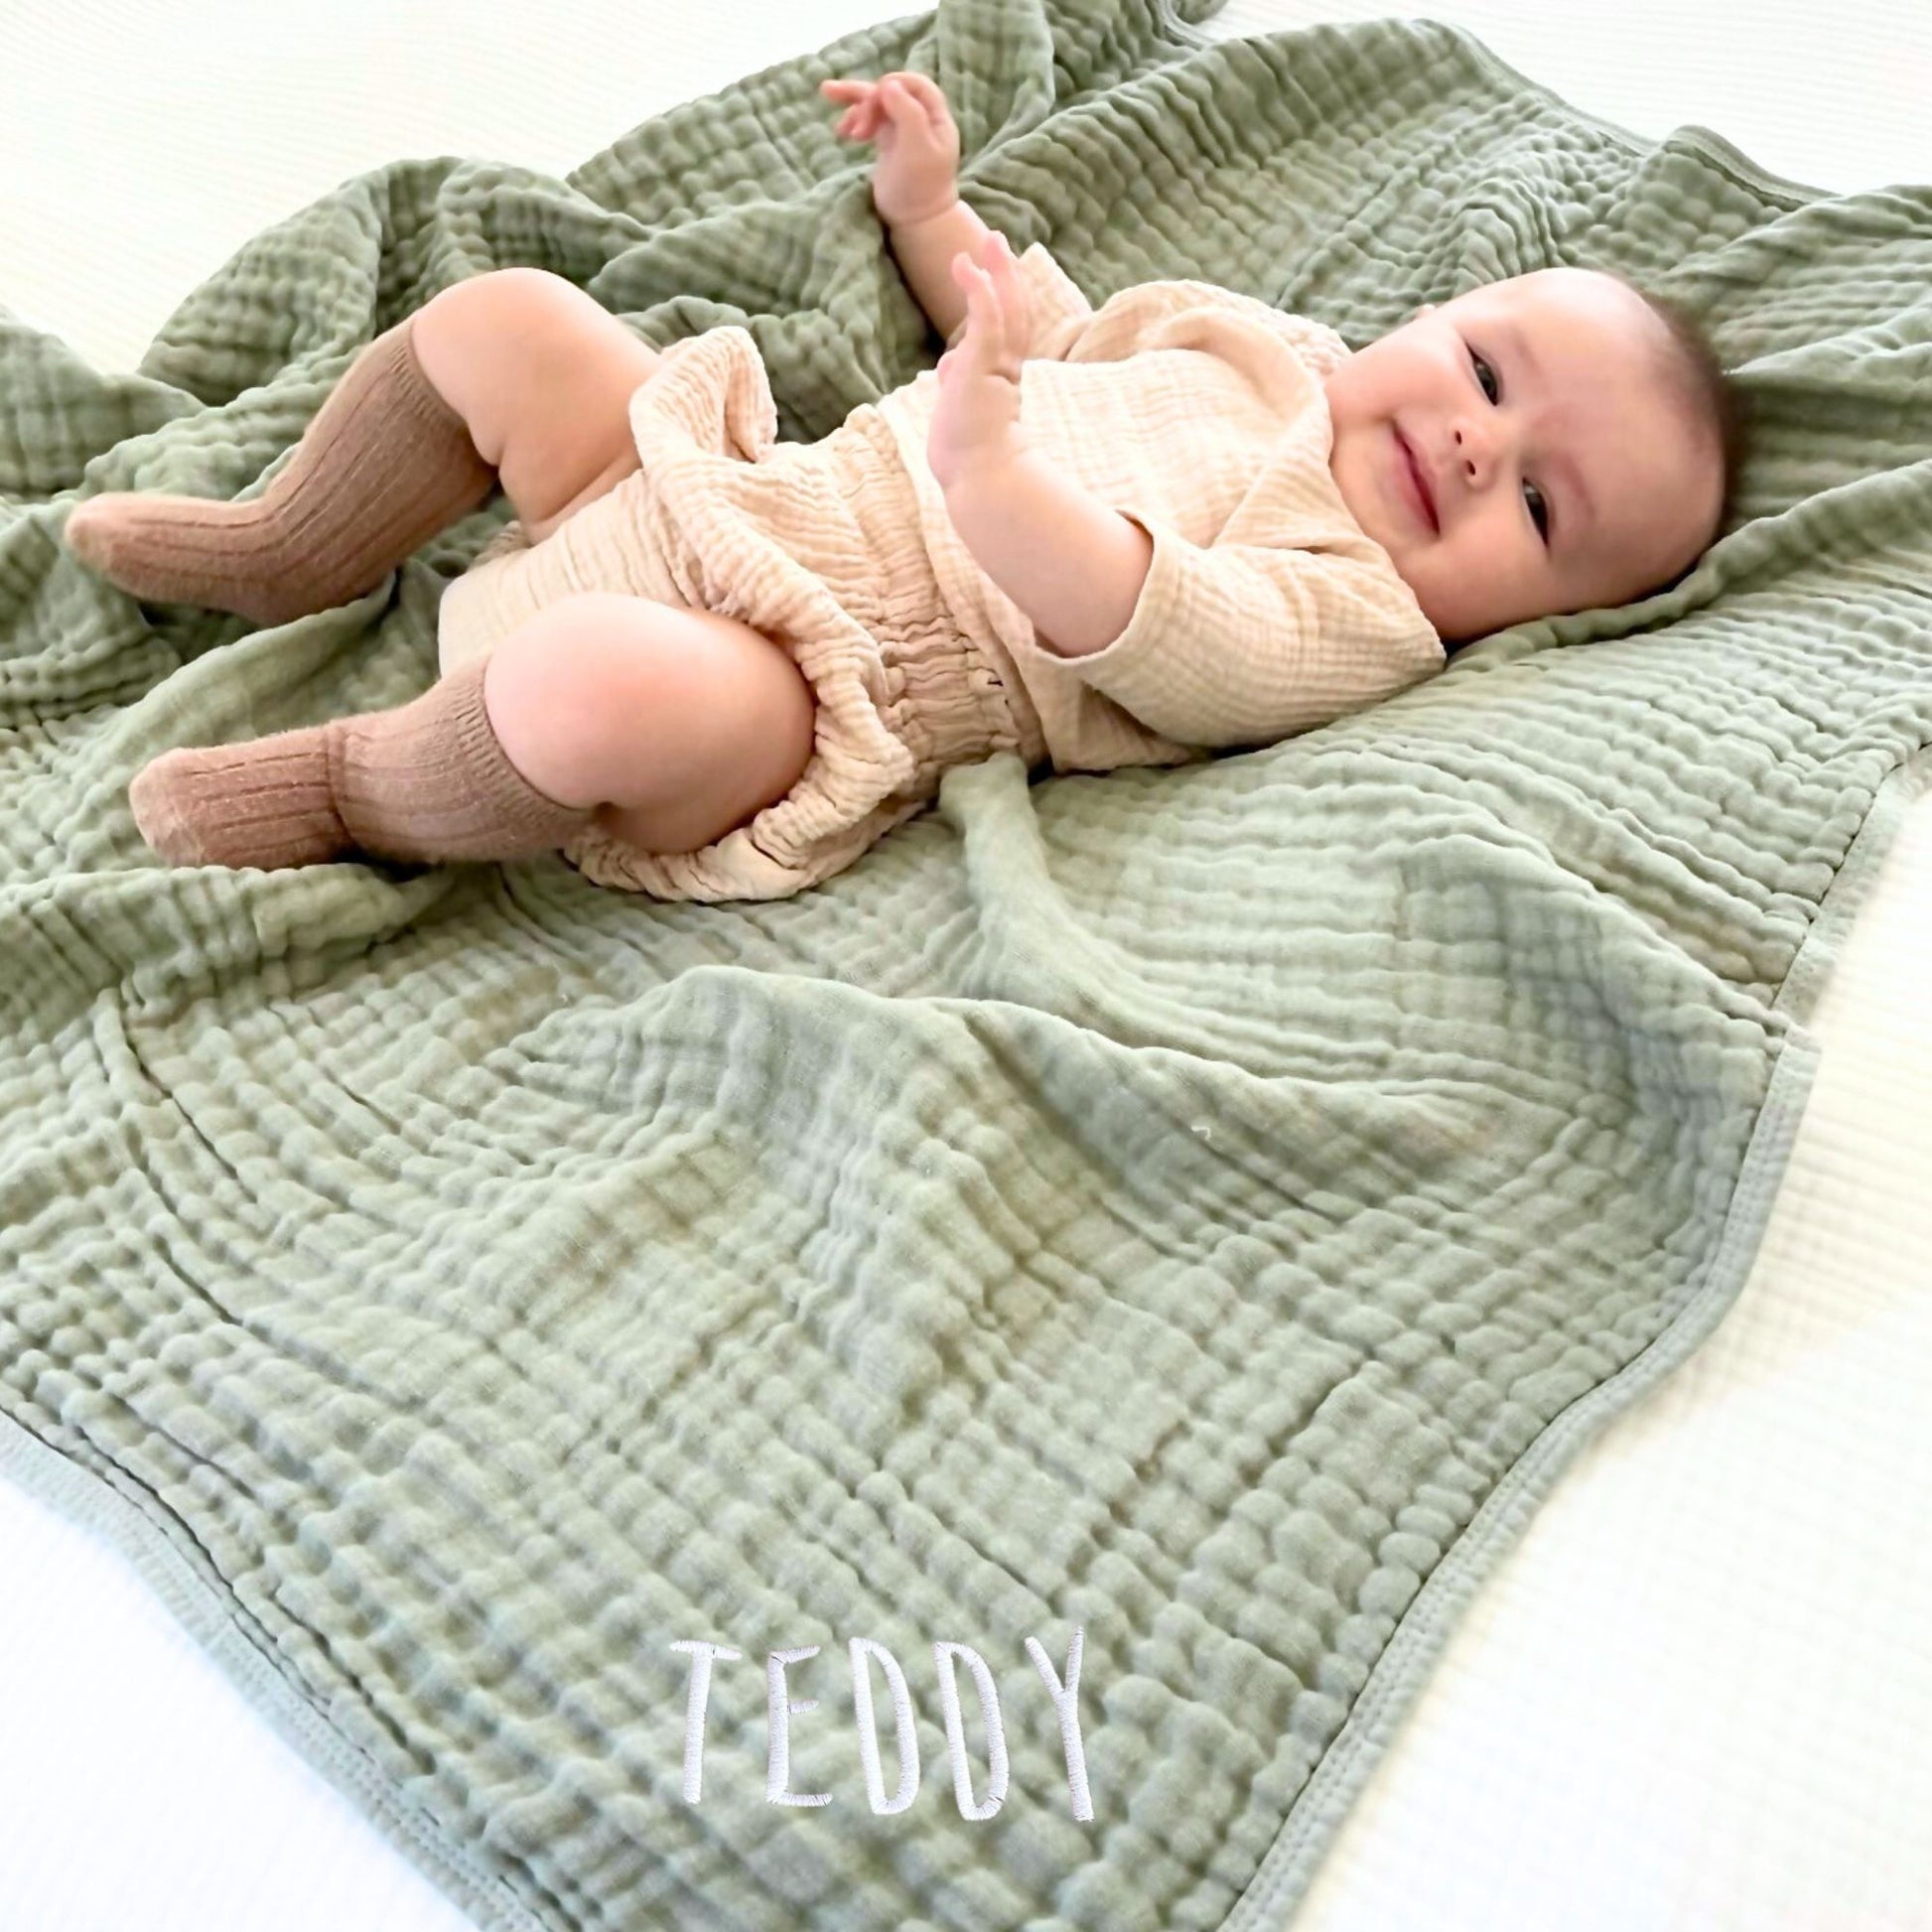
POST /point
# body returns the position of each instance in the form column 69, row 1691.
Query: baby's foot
column 269, row 802
column 180, row 550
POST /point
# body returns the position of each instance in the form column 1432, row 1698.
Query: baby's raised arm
column 914, row 184
column 1073, row 565
column 925, row 251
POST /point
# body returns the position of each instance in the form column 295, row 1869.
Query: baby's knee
column 562, row 689
column 686, row 719
column 482, row 344
column 495, row 296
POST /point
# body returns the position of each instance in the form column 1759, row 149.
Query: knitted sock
column 384, row 466
column 427, row 781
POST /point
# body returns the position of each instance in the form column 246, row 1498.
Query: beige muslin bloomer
column 1194, row 410
column 816, row 545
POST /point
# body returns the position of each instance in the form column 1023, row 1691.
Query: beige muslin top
column 1199, row 413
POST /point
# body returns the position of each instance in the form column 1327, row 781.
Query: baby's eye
column 1540, row 516
column 1493, row 389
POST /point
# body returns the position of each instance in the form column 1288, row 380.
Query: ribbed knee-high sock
column 384, row 466
column 424, row 783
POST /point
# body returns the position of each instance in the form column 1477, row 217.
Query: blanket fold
column 971, row 1396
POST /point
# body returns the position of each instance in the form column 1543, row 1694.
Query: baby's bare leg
column 543, row 374
column 680, row 725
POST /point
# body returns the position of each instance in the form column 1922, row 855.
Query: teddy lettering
column 782, row 1707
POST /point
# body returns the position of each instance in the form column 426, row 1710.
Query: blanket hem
column 1413, row 1654
column 1410, row 1660
column 1846, row 896
column 82, row 1498
column 1706, row 142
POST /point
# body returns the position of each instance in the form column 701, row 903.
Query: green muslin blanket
column 969, row 1398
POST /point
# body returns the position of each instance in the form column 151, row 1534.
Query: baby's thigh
column 679, row 724
column 542, row 374
column 624, row 463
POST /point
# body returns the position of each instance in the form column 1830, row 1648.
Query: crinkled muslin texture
column 1119, row 1265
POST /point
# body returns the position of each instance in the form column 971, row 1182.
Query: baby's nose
column 1477, row 449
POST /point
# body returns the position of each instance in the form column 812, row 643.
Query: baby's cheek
column 1346, row 469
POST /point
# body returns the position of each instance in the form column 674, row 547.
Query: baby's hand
column 918, row 145
column 978, row 417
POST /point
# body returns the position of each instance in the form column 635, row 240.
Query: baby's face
column 1561, row 470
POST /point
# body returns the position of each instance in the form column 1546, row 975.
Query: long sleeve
column 1239, row 643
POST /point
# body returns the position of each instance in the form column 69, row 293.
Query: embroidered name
column 781, row 1708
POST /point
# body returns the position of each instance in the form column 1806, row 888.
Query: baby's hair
column 1706, row 386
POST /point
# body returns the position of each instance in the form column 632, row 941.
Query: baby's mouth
column 1418, row 484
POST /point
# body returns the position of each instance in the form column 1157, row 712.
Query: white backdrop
column 1696, row 1694
column 142, row 144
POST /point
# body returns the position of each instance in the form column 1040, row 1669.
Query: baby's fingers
column 911, row 98
column 860, row 121
column 983, row 310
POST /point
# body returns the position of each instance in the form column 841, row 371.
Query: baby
column 706, row 664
